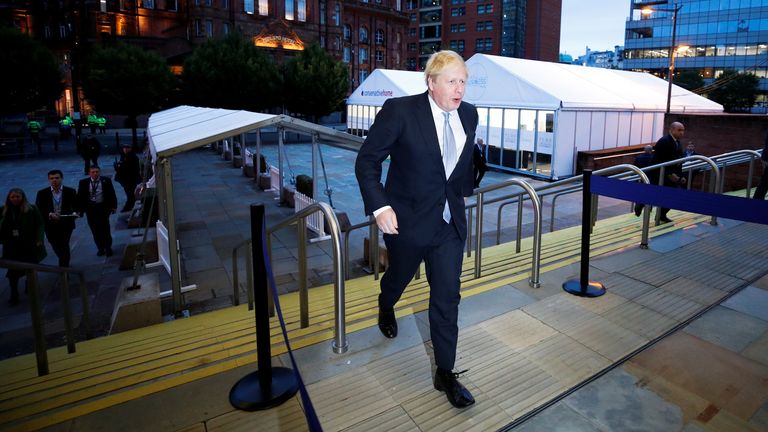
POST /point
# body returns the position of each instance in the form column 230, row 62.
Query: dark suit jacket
column 84, row 193
column 416, row 186
column 44, row 202
column 665, row 151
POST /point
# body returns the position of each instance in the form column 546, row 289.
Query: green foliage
column 125, row 79
column 735, row 91
column 31, row 72
column 231, row 73
column 689, row 79
column 315, row 83
column 304, row 184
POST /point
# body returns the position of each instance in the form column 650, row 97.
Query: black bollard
column 267, row 387
column 583, row 287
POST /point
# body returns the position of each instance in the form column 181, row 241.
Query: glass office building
column 712, row 36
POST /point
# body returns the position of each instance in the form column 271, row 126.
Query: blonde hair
column 441, row 60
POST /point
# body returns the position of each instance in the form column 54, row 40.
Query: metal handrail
column 35, row 305
column 339, row 344
column 480, row 194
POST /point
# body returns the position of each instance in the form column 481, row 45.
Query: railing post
column 37, row 323
column 469, row 232
column 235, row 279
column 519, row 235
column 85, row 321
column 64, row 280
column 479, row 238
column 270, row 300
column 249, row 279
column 303, row 294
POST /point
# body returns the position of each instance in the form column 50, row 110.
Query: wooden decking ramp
column 535, row 352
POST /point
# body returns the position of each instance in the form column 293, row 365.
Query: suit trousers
column 443, row 257
column 59, row 237
column 98, row 221
column 762, row 187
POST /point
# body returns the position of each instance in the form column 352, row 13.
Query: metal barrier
column 35, row 305
column 339, row 344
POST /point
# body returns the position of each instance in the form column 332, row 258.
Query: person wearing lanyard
column 57, row 206
column 97, row 199
column 21, row 234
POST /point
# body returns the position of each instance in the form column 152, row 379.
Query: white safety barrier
column 274, row 175
column 164, row 257
column 315, row 221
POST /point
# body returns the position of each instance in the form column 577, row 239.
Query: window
column 458, row 11
column 430, row 32
column 480, row 45
column 457, row 45
column 171, row 5
column 289, row 15
column 411, row 32
column 363, row 38
column 209, row 28
column 263, row 7
column 413, row 17
column 337, row 14
column 488, row 44
column 302, row 10
column 198, row 27
column 347, row 54
column 102, row 6
column 458, row 28
column 322, row 12
column 363, row 75
column 458, row 2
column 225, row 4
column 347, row 32
column 225, row 28
column 480, row 26
column 248, row 6
column 411, row 64
column 208, row 2
column 363, row 55
column 411, row 4
column 144, row 4
column 379, row 37
column 379, row 55
column 412, row 46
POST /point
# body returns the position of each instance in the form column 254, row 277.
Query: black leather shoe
column 109, row 252
column 387, row 323
column 665, row 219
column 458, row 395
column 638, row 209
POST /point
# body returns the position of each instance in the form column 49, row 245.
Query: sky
column 597, row 24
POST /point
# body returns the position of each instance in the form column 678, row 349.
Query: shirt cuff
column 376, row 213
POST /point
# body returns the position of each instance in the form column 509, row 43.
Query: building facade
column 603, row 59
column 364, row 34
column 711, row 36
column 513, row 28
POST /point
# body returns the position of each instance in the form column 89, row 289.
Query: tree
column 125, row 79
column 32, row 75
column 735, row 91
column 231, row 73
column 689, row 79
column 315, row 83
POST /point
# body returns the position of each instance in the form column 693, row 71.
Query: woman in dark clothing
column 21, row 234
column 127, row 173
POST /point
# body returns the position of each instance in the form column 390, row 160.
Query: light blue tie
column 449, row 158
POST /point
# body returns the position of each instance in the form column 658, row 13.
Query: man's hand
column 387, row 221
column 53, row 216
column 682, row 181
column 674, row 178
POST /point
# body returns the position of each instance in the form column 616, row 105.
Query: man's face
column 447, row 89
column 677, row 132
column 54, row 180
column 690, row 148
column 94, row 173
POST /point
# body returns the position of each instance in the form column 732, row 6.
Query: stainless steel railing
column 36, row 310
column 339, row 344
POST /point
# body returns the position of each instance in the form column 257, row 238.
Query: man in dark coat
column 643, row 160
column 57, row 205
column 96, row 198
column 668, row 148
column 127, row 173
column 762, row 187
column 90, row 152
column 420, row 209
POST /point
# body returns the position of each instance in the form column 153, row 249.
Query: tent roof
column 183, row 128
column 512, row 82
column 383, row 84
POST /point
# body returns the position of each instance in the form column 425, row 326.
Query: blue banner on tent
column 725, row 206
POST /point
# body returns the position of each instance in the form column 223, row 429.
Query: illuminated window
column 347, row 55
column 322, row 12
column 289, row 10
column 347, row 32
column 363, row 55
column 302, row 12
column 248, row 6
column 363, row 35
column 337, row 14
column 263, row 7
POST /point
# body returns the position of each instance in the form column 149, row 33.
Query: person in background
column 127, row 173
column 92, row 122
column 762, row 187
column 668, row 148
column 65, row 127
column 21, row 234
column 479, row 164
column 643, row 160
column 34, row 127
column 57, row 205
column 101, row 122
column 96, row 198
column 90, row 152
column 420, row 208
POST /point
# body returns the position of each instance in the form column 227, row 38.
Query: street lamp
column 672, row 49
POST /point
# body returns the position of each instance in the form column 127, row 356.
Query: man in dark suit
column 96, row 197
column 57, row 205
column 643, row 160
column 762, row 187
column 420, row 209
column 667, row 149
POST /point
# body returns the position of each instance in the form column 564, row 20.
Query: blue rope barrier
column 309, row 410
column 725, row 206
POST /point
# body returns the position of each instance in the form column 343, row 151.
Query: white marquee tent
column 535, row 116
column 382, row 84
column 184, row 128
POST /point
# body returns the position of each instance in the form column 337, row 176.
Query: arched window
column 347, row 32
column 363, row 35
column 379, row 37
